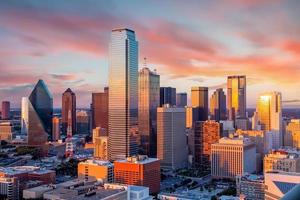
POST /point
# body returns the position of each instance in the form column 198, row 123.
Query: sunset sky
column 190, row 43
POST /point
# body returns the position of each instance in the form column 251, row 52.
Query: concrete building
column 251, row 186
column 233, row 156
column 292, row 134
column 227, row 127
column 242, row 123
column 99, row 109
column 218, row 105
column 282, row 160
column 138, row 170
column 199, row 98
column 5, row 112
column 99, row 170
column 9, row 188
column 277, row 184
column 181, row 99
column 6, row 131
column 101, row 147
column 148, row 101
column 236, row 97
column 171, row 137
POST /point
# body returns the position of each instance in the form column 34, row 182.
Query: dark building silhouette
column 99, row 108
column 200, row 100
column 167, row 96
column 68, row 106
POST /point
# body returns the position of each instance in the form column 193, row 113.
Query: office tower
column 270, row 116
column 277, row 184
column 232, row 156
column 5, row 112
column 68, row 104
column 218, row 105
column 199, row 97
column 55, row 128
column 123, row 94
column 181, row 99
column 192, row 115
column 6, row 131
column 251, row 186
column 99, row 109
column 98, row 132
column 100, row 147
column 292, row 134
column 242, row 123
column 99, row 170
column 167, row 96
column 139, row 170
column 83, row 122
column 205, row 134
column 236, row 97
column 227, row 128
column 171, row 137
column 282, row 160
column 148, row 102
column 255, row 122
column 36, row 116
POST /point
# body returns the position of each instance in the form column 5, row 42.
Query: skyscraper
column 181, row 99
column 236, row 97
column 123, row 93
column 148, row 102
column 36, row 117
column 68, row 104
column 270, row 115
column 167, row 96
column 55, row 128
column 199, row 97
column 5, row 112
column 99, row 109
column 171, row 137
column 292, row 134
column 218, row 105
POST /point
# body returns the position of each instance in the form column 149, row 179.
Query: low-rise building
column 251, row 186
column 6, row 131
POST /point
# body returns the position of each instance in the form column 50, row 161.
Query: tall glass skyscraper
column 236, row 97
column 218, row 105
column 167, row 96
column 123, row 94
column 37, row 113
column 148, row 102
column 200, row 101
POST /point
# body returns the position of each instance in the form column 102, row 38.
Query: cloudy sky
column 190, row 43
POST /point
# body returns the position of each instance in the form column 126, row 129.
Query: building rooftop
column 140, row 159
column 18, row 169
column 253, row 178
column 235, row 140
column 122, row 29
column 98, row 162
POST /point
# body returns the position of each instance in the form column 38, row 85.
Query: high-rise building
column 138, row 170
column 99, row 109
column 251, row 186
column 55, row 128
column 192, row 115
column 96, row 170
column 148, row 102
column 292, row 134
column 83, row 122
column 282, row 160
column 5, row 112
column 9, row 188
column 171, row 137
column 205, row 134
column 167, row 96
column 68, row 104
column 277, row 184
column 218, row 105
column 199, row 97
column 236, row 97
column 36, row 116
column 232, row 156
column 6, row 131
column 270, row 115
column 123, row 94
column 181, row 99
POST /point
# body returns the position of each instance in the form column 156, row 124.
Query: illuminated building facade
column 199, row 97
column 68, row 104
column 99, row 108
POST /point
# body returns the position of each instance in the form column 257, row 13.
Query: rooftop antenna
column 145, row 62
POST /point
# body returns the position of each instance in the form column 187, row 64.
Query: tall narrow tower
column 68, row 104
column 123, row 94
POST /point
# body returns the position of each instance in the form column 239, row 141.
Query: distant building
column 99, row 109
column 236, row 97
column 55, row 128
column 192, row 115
column 277, row 184
column 205, row 134
column 167, row 96
column 270, row 116
column 227, row 127
column 101, row 147
column 282, row 160
column 232, row 157
column 148, row 101
column 5, row 112
column 199, row 98
column 251, row 186
column 181, row 99
column 96, row 170
column 242, row 123
column 97, row 132
column 6, row 131
column 83, row 122
column 36, row 115
column 292, row 134
column 68, row 106
column 123, row 94
column 218, row 105
column 171, row 137
column 139, row 170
